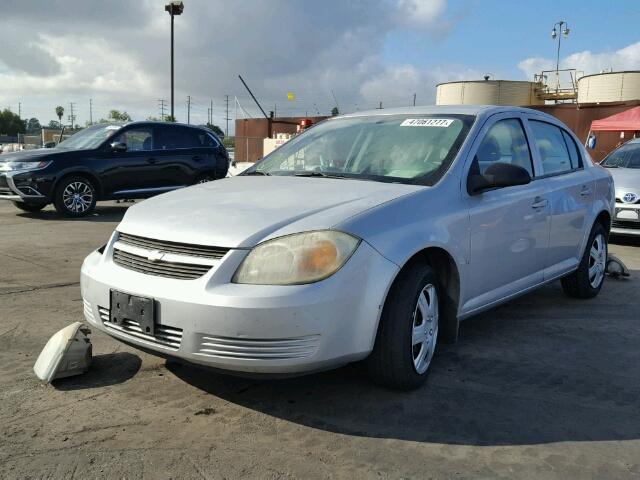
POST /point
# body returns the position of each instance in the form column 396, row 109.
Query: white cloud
column 627, row 58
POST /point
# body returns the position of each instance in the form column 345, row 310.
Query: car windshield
column 415, row 149
column 88, row 138
column 627, row 156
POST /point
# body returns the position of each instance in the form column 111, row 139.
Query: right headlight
column 297, row 259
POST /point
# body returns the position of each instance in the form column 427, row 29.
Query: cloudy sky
column 116, row 52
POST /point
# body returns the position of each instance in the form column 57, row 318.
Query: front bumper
column 626, row 220
column 19, row 187
column 249, row 328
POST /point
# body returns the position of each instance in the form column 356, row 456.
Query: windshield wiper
column 610, row 166
column 305, row 173
column 256, row 172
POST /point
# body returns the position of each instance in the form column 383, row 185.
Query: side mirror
column 498, row 175
column 119, row 147
column 49, row 145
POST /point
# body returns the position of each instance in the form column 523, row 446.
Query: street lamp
column 174, row 8
column 563, row 28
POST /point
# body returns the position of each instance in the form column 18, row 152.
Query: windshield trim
column 429, row 179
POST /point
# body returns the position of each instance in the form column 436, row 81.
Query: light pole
column 562, row 31
column 174, row 8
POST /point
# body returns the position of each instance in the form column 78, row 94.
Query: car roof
column 443, row 109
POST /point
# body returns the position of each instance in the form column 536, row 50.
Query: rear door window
column 176, row 137
column 552, row 147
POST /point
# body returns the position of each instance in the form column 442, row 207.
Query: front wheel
column 30, row 207
column 75, row 196
column 408, row 330
column 587, row 280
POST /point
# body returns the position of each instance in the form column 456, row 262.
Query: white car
column 369, row 236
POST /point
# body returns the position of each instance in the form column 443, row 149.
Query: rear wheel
column 30, row 207
column 75, row 196
column 204, row 178
column 587, row 280
column 408, row 330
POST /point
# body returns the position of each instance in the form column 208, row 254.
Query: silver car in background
column 624, row 165
column 369, row 236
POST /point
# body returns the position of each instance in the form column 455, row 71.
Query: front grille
column 181, row 271
column 258, row 348
column 215, row 253
column 625, row 224
column 164, row 335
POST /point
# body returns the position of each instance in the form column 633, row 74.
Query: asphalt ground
column 543, row 387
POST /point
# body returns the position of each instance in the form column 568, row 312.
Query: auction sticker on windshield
column 427, row 122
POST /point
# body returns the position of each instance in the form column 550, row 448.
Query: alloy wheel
column 424, row 332
column 77, row 197
column 597, row 260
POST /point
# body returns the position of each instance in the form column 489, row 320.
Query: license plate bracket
column 133, row 308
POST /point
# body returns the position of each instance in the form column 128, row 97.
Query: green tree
column 334, row 111
column 216, row 129
column 59, row 112
column 54, row 124
column 33, row 125
column 170, row 118
column 118, row 116
column 10, row 123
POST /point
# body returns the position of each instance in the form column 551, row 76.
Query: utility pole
column 275, row 110
column 211, row 110
column 72, row 117
column 174, row 8
column 19, row 110
column 161, row 103
column 380, row 107
column 414, row 99
column 189, row 109
column 226, row 130
column 90, row 111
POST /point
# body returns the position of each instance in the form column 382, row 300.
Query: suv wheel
column 30, row 207
column 587, row 280
column 207, row 177
column 408, row 330
column 75, row 196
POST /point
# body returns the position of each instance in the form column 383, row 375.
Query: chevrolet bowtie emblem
column 155, row 255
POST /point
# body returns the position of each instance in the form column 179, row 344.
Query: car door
column 133, row 169
column 180, row 154
column 509, row 227
column 571, row 192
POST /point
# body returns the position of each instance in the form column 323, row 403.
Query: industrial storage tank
column 609, row 87
column 489, row 92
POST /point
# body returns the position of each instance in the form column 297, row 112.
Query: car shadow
column 107, row 213
column 544, row 368
column 105, row 370
column 625, row 240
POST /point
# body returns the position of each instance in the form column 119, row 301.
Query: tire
column 587, row 280
column 30, row 207
column 75, row 196
column 205, row 177
column 408, row 330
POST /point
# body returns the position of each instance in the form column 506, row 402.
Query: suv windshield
column 88, row 138
column 627, row 156
column 415, row 148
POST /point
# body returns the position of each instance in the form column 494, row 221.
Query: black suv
column 106, row 162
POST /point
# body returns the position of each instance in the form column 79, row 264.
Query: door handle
column 197, row 158
column 539, row 202
column 152, row 160
column 585, row 192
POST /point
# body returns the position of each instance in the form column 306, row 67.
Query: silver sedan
column 368, row 237
column 624, row 165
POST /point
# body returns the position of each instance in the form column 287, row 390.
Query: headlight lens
column 13, row 166
column 297, row 259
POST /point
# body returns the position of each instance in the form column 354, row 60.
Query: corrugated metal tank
column 488, row 92
column 609, row 87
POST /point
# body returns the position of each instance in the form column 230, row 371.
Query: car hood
column 240, row 212
column 26, row 155
column 625, row 177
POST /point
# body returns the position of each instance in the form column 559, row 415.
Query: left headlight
column 14, row 166
column 297, row 259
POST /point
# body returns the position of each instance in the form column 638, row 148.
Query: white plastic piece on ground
column 615, row 267
column 67, row 353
